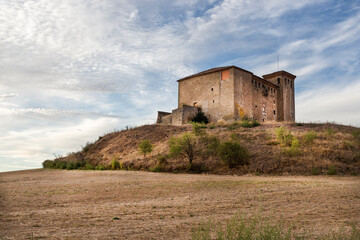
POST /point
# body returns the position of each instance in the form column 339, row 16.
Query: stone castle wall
column 232, row 93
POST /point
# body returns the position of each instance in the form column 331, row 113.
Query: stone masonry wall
column 214, row 96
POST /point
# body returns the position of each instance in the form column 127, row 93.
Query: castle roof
column 279, row 73
column 211, row 70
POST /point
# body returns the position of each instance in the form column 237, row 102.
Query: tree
column 145, row 147
column 184, row 146
column 200, row 118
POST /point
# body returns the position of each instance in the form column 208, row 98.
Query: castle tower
column 286, row 94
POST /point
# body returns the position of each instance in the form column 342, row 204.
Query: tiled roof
column 211, row 70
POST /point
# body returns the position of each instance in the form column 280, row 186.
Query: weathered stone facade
column 232, row 93
column 178, row 116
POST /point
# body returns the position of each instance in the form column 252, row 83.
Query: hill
column 311, row 149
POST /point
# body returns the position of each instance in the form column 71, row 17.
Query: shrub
column 200, row 118
column 156, row 168
column 310, row 137
column 233, row 126
column 70, row 166
column 315, row 171
column 183, row 146
column 346, row 145
column 60, row 164
column 100, row 167
column 87, row 146
column 115, row 164
column 295, row 147
column 161, row 160
column 198, row 128
column 145, row 147
column 255, row 123
column 356, row 134
column 89, row 166
column 48, row 164
column 284, row 136
column 234, row 137
column 246, row 123
column 232, row 153
column 332, row 170
column 212, row 144
column 329, row 133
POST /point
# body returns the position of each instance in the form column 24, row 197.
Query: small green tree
column 232, row 153
column 115, row 164
column 183, row 146
column 145, row 147
column 284, row 136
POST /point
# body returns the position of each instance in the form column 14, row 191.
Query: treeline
column 58, row 164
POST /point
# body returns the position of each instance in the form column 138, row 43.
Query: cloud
column 330, row 103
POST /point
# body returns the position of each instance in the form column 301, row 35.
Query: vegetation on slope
column 236, row 148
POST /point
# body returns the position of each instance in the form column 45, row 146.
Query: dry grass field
column 61, row 204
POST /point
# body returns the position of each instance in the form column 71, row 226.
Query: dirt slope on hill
column 334, row 148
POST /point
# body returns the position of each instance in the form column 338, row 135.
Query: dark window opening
column 274, row 101
column 291, row 84
column 259, row 85
column 263, row 120
column 278, row 81
column 274, row 112
column 255, row 106
column 212, row 89
column 213, row 101
column 252, row 81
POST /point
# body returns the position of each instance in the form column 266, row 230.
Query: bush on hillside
column 198, row 128
column 310, row 137
column 232, row 153
column 284, row 136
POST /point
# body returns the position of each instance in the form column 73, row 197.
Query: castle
column 232, row 93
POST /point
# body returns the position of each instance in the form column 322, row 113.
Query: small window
column 213, row 101
column 259, row 85
column 291, row 84
column 255, row 106
column 274, row 112
column 252, row 81
column 212, row 89
column 274, row 101
column 278, row 81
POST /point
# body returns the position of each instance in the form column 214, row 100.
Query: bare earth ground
column 61, row 204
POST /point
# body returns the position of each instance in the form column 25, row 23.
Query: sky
column 73, row 70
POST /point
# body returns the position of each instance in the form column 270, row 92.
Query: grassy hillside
column 307, row 149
